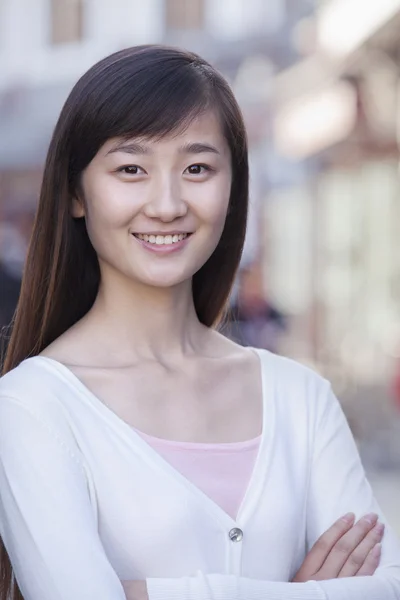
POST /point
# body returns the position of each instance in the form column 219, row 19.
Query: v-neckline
column 150, row 454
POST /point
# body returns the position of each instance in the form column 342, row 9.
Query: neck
column 139, row 320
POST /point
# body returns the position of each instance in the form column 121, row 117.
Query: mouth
column 162, row 240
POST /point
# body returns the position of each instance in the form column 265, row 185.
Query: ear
column 77, row 208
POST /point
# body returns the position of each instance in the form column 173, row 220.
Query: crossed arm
column 347, row 549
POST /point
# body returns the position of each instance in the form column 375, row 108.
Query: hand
column 135, row 590
column 345, row 550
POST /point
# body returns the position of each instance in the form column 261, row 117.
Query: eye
column 131, row 170
column 198, row 169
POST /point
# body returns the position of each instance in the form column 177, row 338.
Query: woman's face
column 155, row 210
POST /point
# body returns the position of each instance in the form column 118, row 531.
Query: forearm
column 229, row 587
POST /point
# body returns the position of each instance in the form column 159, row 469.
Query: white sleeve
column 230, row 587
column 337, row 486
column 47, row 522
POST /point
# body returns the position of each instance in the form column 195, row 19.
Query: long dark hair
column 147, row 91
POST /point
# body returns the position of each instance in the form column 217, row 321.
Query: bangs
column 151, row 103
column 167, row 107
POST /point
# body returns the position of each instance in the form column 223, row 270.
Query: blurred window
column 66, row 21
column 181, row 14
column 231, row 20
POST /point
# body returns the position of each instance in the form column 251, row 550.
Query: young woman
column 142, row 454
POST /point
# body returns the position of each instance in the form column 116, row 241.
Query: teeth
column 159, row 240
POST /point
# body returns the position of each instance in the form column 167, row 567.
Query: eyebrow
column 198, row 148
column 190, row 148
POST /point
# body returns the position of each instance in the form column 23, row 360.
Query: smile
column 160, row 240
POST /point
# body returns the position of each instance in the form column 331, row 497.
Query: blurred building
column 336, row 112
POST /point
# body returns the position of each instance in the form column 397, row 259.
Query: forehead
column 207, row 124
column 205, row 128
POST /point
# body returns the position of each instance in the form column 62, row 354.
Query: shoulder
column 35, row 385
column 33, row 413
column 31, row 375
column 295, row 389
column 289, row 372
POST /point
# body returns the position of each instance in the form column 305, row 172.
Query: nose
column 165, row 201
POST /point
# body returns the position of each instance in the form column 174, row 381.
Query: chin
column 164, row 280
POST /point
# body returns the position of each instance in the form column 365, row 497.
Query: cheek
column 108, row 206
column 215, row 208
column 104, row 222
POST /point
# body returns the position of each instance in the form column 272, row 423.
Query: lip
column 163, row 248
column 175, row 232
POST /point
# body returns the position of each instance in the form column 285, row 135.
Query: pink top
column 221, row 471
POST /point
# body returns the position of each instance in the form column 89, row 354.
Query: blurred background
column 319, row 85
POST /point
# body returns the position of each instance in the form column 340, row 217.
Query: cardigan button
column 236, row 534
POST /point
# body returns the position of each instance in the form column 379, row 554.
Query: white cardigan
column 85, row 503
